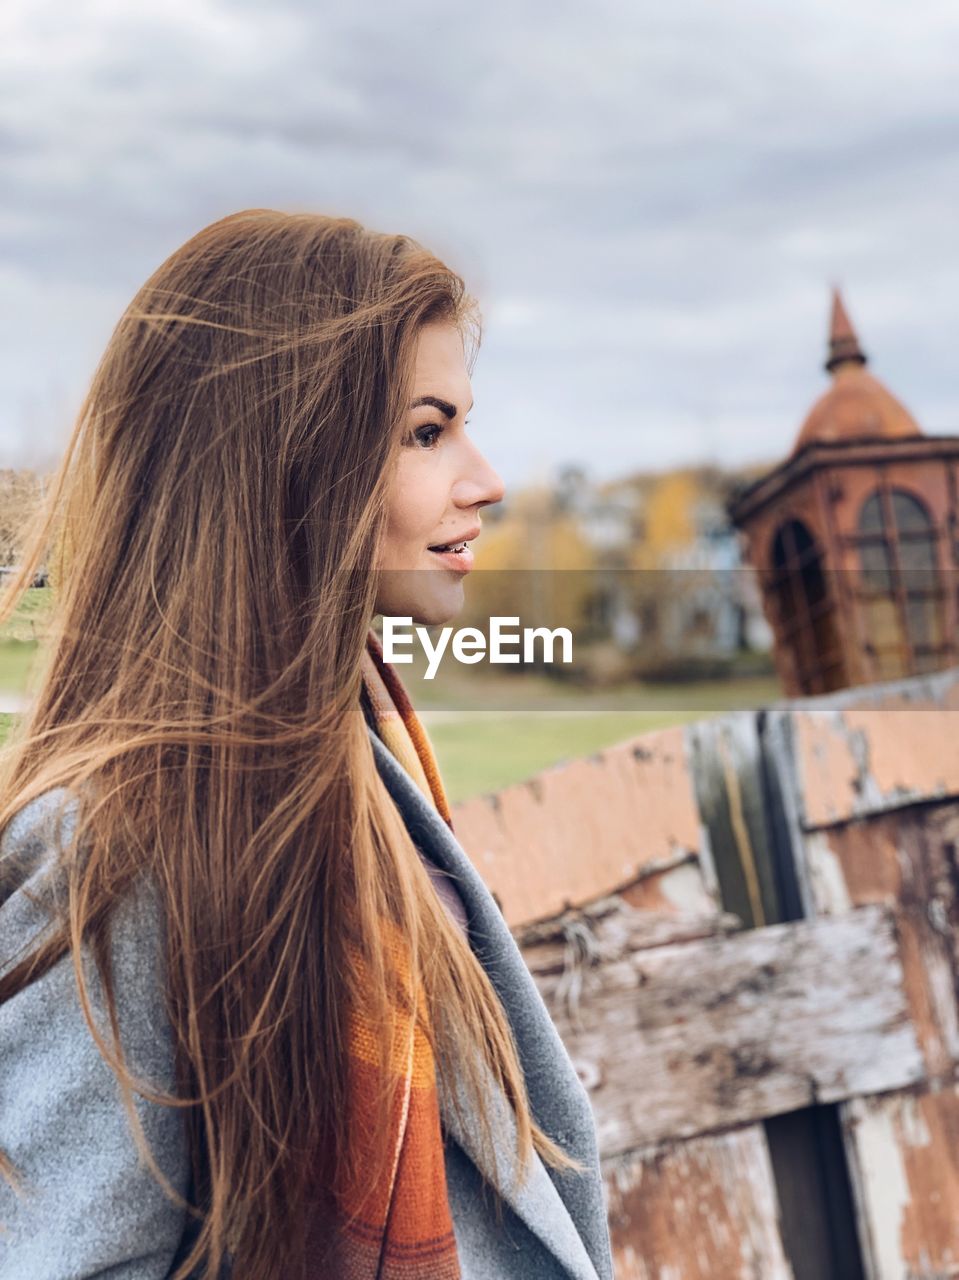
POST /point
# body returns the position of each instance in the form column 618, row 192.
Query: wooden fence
column 746, row 931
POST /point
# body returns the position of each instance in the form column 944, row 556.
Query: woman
column 256, row 1008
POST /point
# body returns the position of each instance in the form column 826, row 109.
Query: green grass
column 16, row 660
column 20, row 636
column 28, row 620
column 484, row 750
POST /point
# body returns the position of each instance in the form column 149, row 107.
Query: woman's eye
column 427, row 436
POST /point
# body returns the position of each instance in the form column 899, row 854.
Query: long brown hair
column 213, row 525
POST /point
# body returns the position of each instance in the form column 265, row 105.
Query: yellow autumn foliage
column 533, row 564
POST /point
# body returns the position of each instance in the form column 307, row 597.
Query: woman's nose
column 484, row 485
column 481, row 484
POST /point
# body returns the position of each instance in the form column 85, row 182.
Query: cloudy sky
column 650, row 200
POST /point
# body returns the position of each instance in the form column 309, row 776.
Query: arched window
column 900, row 587
column 805, row 616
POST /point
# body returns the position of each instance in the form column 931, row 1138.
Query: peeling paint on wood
column 866, row 760
column 904, row 1155
column 867, row 864
column 868, row 783
column 725, row 756
column 684, row 1031
column 584, row 829
column 700, row 1210
column 684, row 1039
column 681, row 889
column 616, row 930
column 905, row 859
column 826, row 876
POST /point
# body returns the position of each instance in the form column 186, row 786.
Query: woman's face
column 440, row 483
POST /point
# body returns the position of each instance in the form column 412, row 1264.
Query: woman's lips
column 461, row 561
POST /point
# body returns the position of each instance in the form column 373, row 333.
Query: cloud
column 650, row 201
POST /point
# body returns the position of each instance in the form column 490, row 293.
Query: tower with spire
column 855, row 534
column 843, row 343
column 857, row 406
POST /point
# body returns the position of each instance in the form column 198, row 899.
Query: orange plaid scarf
column 400, row 727
column 406, row 1231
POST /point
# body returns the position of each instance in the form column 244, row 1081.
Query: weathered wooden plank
column 869, row 759
column 868, row 751
column 700, row 1210
column 903, row 1157
column 611, row 929
column 584, row 829
column 906, row 859
column 683, row 1039
column 728, row 778
column 682, row 888
column 868, row 786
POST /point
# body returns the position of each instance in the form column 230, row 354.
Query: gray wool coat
column 90, row 1208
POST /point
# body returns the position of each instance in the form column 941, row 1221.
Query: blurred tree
column 20, row 495
column 534, row 564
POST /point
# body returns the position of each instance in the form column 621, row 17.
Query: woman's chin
column 436, row 607
column 430, row 598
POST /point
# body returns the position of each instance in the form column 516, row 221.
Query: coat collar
column 565, row 1210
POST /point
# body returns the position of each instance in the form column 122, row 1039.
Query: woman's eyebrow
column 444, row 406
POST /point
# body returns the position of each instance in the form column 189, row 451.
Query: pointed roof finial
column 843, row 343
